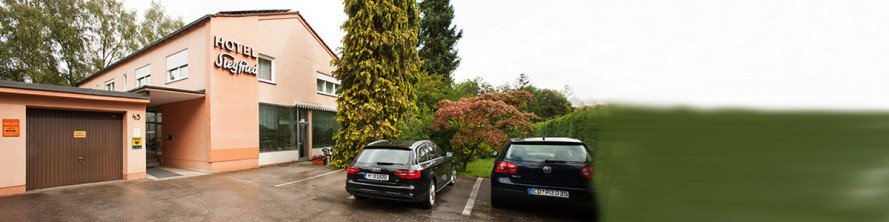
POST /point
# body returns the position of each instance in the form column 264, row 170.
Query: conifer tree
column 438, row 38
column 377, row 69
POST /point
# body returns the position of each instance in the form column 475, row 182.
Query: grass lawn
column 480, row 167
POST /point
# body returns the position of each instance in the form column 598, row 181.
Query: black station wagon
column 544, row 172
column 401, row 170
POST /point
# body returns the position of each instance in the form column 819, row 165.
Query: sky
column 760, row 54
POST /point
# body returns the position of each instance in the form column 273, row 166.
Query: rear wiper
column 555, row 161
column 386, row 163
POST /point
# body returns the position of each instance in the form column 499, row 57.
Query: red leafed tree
column 479, row 125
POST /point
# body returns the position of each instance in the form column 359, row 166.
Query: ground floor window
column 279, row 128
column 323, row 127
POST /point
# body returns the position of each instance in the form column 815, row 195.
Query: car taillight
column 587, row 172
column 408, row 174
column 506, row 167
column 352, row 170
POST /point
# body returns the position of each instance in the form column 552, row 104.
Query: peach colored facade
column 13, row 105
column 219, row 130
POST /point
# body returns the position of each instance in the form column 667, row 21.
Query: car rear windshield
column 547, row 152
column 385, row 156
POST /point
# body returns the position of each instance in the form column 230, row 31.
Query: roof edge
column 207, row 18
column 314, row 33
column 146, row 48
column 246, row 13
column 70, row 89
column 145, row 87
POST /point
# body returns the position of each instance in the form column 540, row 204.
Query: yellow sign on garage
column 80, row 134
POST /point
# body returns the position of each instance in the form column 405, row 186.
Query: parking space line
column 468, row 209
column 313, row 177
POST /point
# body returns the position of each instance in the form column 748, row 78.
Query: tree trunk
column 469, row 157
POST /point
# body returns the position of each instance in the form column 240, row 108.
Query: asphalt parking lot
column 293, row 192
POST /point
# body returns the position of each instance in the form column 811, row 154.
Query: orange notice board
column 10, row 127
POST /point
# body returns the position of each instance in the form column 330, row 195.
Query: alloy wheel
column 453, row 177
column 432, row 194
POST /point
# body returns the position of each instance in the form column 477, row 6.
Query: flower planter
column 318, row 162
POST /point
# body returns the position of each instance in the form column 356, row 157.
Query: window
column 331, row 88
column 383, row 155
column 437, row 150
column 277, row 128
column 433, row 154
column 266, row 69
column 143, row 76
column 323, row 127
column 424, row 154
column 547, row 152
column 109, row 85
column 328, row 85
column 177, row 66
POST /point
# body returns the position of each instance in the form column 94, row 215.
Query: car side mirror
column 449, row 154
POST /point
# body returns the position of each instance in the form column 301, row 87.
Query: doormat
column 161, row 173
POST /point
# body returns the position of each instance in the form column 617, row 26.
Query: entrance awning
column 163, row 95
column 315, row 107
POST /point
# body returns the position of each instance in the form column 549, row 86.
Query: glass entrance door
column 302, row 132
column 153, row 125
column 303, row 142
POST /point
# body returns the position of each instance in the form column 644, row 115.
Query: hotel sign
column 228, row 61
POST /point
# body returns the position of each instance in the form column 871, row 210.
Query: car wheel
column 453, row 177
column 430, row 199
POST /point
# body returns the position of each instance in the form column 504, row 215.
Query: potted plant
column 318, row 159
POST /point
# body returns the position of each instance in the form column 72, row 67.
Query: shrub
column 584, row 125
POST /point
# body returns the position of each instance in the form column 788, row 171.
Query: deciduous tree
column 62, row 41
column 477, row 125
column 155, row 24
column 112, row 31
column 42, row 41
column 377, row 70
column 548, row 103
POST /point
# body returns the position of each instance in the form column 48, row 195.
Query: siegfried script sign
column 229, row 62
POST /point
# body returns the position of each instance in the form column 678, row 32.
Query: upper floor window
column 109, row 85
column 266, row 69
column 328, row 85
column 143, row 76
column 177, row 66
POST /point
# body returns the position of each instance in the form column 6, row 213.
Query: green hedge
column 677, row 164
column 584, row 125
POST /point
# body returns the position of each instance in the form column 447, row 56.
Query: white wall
column 266, row 158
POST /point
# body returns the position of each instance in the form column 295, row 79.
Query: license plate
column 376, row 176
column 547, row 192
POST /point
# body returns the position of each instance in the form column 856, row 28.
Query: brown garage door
column 73, row 147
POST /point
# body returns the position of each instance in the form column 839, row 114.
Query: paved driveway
column 252, row 195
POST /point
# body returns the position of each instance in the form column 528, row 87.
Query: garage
column 73, row 147
column 60, row 135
